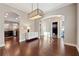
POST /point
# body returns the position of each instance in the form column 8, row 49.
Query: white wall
column 70, row 22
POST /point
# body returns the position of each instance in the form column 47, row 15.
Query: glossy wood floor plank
column 40, row 47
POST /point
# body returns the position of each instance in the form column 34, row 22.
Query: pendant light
column 35, row 14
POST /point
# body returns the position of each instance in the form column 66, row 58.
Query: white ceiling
column 27, row 7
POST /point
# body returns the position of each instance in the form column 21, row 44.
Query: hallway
column 38, row 47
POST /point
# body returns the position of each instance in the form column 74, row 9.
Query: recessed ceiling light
column 5, row 16
column 28, row 27
column 16, row 18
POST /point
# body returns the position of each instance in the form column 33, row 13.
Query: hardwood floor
column 40, row 47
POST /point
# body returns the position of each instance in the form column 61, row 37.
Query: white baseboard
column 22, row 40
column 73, row 45
column 1, row 45
column 77, row 48
column 70, row 44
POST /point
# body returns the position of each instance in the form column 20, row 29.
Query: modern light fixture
column 35, row 14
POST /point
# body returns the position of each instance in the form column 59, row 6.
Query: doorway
column 57, row 26
column 11, row 33
column 55, row 29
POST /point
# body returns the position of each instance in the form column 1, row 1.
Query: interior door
column 55, row 29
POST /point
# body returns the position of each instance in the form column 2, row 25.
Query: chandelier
column 35, row 14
